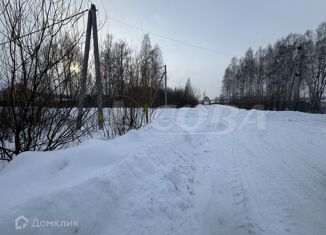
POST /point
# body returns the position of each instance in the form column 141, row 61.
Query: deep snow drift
column 208, row 170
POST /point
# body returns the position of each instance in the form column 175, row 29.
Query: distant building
column 206, row 101
column 118, row 103
column 259, row 107
column 171, row 106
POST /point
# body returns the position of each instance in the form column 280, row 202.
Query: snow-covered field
column 208, row 170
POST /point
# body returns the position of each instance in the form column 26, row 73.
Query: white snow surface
column 207, row 170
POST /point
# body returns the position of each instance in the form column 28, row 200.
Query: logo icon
column 21, row 222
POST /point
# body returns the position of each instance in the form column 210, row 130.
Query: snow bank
column 209, row 170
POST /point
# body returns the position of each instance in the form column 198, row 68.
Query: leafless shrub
column 40, row 45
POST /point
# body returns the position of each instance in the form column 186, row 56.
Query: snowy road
column 210, row 170
column 262, row 185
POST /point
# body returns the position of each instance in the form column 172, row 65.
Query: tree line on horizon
column 288, row 75
column 133, row 76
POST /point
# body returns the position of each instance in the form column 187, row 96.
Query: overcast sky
column 228, row 26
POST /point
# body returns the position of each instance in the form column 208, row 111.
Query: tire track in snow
column 270, row 193
column 183, row 162
column 305, row 187
column 240, row 194
column 212, row 213
column 175, row 167
column 311, row 176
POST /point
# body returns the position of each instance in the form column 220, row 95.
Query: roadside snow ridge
column 208, row 170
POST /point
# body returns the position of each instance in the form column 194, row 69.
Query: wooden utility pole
column 166, row 88
column 294, row 96
column 84, row 71
column 100, row 117
column 297, row 80
column 91, row 23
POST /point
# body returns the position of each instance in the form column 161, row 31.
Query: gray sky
column 230, row 26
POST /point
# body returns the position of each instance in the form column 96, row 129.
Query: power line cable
column 172, row 39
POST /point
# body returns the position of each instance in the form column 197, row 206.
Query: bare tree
column 40, row 46
column 133, row 77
